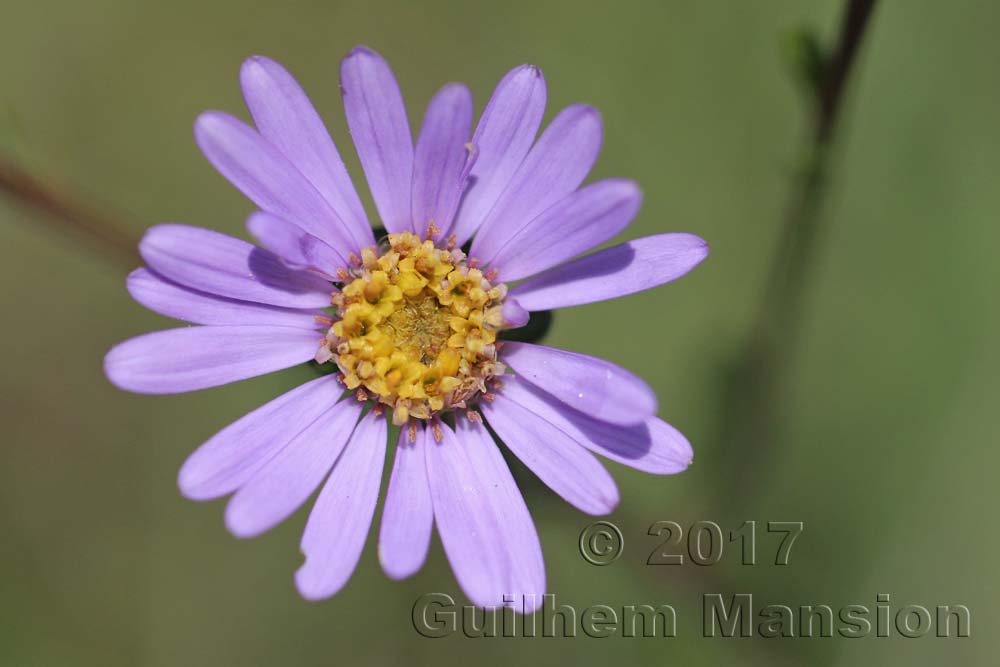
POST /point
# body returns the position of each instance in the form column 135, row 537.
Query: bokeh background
column 887, row 440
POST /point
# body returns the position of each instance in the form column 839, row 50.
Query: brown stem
column 752, row 404
column 69, row 216
column 832, row 92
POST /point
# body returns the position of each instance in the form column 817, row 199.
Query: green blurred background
column 887, row 441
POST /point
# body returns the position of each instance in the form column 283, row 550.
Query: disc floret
column 415, row 328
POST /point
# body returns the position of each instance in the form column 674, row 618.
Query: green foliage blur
column 887, row 444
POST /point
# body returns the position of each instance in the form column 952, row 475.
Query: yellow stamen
column 416, row 328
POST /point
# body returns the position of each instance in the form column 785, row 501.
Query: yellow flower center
column 416, row 328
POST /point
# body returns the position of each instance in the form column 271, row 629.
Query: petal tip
column 311, row 589
column 697, row 243
column 587, row 111
column 676, row 448
column 133, row 282
column 240, row 525
column 206, row 118
column 253, row 62
column 256, row 70
column 109, row 366
column 514, row 315
column 119, row 368
column 194, row 481
column 631, row 188
column 361, row 50
column 206, row 127
column 605, row 504
column 456, row 89
column 649, row 404
column 526, row 70
column 394, row 571
column 187, row 483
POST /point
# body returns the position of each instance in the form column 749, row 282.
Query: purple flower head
column 411, row 325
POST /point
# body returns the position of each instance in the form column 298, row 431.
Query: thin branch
column 69, row 216
column 752, row 404
column 851, row 33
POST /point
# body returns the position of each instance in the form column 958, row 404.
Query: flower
column 410, row 325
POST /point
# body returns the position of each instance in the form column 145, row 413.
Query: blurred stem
column 752, row 404
column 69, row 216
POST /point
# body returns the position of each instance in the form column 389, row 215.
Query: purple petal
column 654, row 446
column 338, row 524
column 291, row 243
column 505, row 132
column 593, row 386
column 318, row 253
column 167, row 298
column 581, row 221
column 179, row 360
column 487, row 533
column 263, row 173
column 377, row 119
column 440, row 159
column 613, row 272
column 558, row 460
column 281, row 237
column 555, row 167
column 286, row 118
column 232, row 456
column 513, row 315
column 218, row 264
column 408, row 516
column 288, row 479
